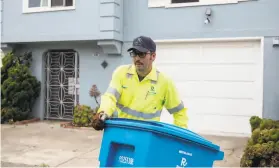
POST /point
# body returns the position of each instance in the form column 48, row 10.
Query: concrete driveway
column 47, row 144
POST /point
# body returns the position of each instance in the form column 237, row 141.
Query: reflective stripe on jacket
column 127, row 97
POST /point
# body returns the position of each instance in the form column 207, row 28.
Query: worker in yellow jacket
column 139, row 91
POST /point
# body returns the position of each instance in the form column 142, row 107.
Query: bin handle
column 166, row 125
column 146, row 122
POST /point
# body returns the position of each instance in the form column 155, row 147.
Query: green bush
column 83, row 115
column 262, row 149
column 19, row 89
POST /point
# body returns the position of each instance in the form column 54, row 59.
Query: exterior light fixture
column 276, row 41
column 208, row 13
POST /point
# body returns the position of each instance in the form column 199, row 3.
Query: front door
column 62, row 84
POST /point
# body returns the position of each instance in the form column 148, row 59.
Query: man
column 139, row 91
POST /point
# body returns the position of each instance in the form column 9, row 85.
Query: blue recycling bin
column 135, row 143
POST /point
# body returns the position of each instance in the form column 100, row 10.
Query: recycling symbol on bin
column 183, row 162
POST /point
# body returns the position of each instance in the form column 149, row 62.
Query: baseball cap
column 143, row 44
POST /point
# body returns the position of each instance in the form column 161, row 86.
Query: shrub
column 262, row 149
column 83, row 115
column 19, row 89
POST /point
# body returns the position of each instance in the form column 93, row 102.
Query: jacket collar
column 153, row 75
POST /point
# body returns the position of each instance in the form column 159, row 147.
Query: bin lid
column 161, row 127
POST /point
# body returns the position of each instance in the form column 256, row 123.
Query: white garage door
column 219, row 82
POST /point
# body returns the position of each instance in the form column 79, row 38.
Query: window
column 183, row 1
column 47, row 5
column 61, row 2
column 187, row 3
column 37, row 3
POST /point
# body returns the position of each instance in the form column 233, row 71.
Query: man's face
column 143, row 61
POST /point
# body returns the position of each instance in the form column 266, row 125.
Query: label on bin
column 185, row 153
column 183, row 161
column 126, row 160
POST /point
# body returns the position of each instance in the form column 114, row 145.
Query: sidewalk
column 46, row 143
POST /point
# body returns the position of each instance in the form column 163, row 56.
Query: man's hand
column 99, row 121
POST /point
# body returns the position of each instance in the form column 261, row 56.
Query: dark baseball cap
column 143, row 44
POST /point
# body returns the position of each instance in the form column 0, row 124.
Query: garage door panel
column 175, row 56
column 210, row 55
column 209, row 72
column 236, row 90
column 213, row 123
column 188, row 58
column 230, row 55
column 221, row 106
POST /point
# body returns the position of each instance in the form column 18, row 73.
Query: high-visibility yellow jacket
column 127, row 97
